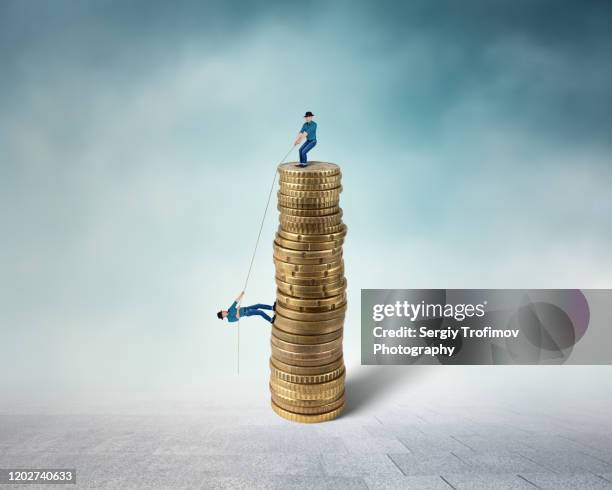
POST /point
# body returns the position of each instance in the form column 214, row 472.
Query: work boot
column 273, row 318
column 274, row 306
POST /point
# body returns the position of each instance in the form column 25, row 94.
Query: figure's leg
column 261, row 306
column 261, row 313
column 303, row 152
column 310, row 145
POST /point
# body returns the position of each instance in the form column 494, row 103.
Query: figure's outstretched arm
column 239, row 298
column 300, row 137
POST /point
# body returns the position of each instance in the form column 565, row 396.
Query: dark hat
column 308, row 114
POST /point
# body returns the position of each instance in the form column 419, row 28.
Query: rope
column 263, row 219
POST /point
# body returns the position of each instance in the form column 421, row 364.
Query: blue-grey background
column 137, row 141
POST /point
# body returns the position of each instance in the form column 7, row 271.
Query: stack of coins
column 307, row 367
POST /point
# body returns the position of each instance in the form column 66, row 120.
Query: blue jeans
column 256, row 310
column 305, row 148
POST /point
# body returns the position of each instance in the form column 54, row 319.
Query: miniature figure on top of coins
column 308, row 132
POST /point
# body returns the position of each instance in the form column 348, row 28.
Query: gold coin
column 322, row 368
column 309, row 410
column 306, row 348
column 328, row 355
column 307, row 246
column 310, row 309
column 313, row 169
column 311, row 184
column 301, row 189
column 327, row 194
column 294, row 302
column 306, row 339
column 317, row 226
column 306, row 362
column 339, row 301
column 285, row 175
column 333, row 271
column 310, row 362
column 331, row 385
column 286, row 267
column 282, row 274
column 308, row 212
column 302, row 312
column 283, row 252
column 304, row 359
column 292, row 290
column 296, row 402
column 302, row 395
column 309, row 229
column 296, row 327
column 309, row 281
column 326, row 265
column 323, row 357
column 306, row 202
column 339, row 312
column 307, row 419
column 322, row 237
column 301, row 378
column 290, row 351
column 312, row 228
column 331, row 259
column 287, row 254
column 309, row 177
column 312, row 197
column 312, row 222
column 325, row 293
column 299, row 308
column 296, row 270
column 308, row 207
column 324, row 290
column 304, row 291
column 306, row 186
column 300, row 359
column 327, row 220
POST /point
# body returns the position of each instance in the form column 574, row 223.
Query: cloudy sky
column 138, row 140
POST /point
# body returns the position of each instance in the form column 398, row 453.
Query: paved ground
column 187, row 442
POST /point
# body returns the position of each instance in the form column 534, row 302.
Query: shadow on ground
column 368, row 385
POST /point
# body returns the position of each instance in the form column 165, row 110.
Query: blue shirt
column 232, row 311
column 311, row 129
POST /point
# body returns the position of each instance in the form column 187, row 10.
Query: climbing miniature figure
column 235, row 311
column 308, row 132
